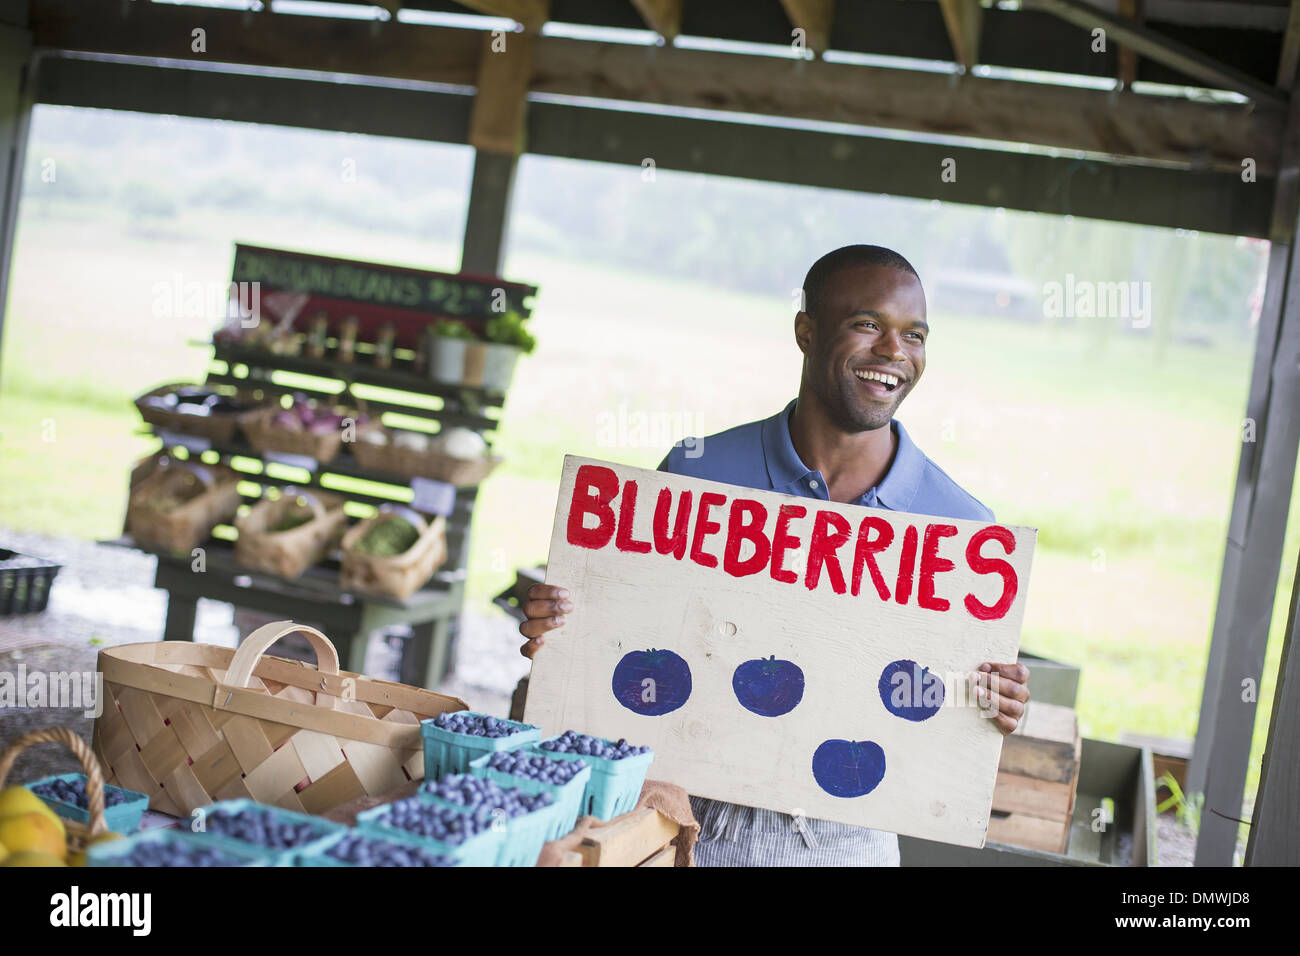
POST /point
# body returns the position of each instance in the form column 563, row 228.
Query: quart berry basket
column 479, row 850
column 25, row 583
column 325, row 830
column 319, row 853
column 123, row 818
column 615, row 785
column 446, row 751
column 568, row 796
column 114, row 852
column 524, row 835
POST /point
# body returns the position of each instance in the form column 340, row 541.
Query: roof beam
column 965, row 21
column 531, row 14
column 813, row 17
column 1155, row 46
column 1154, row 128
column 1128, row 58
column 664, row 17
column 497, row 121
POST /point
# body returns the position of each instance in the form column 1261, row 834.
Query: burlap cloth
column 669, row 799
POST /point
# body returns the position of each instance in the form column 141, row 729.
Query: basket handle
column 252, row 648
column 89, row 763
column 401, row 511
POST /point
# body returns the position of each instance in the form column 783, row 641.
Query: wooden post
column 1274, row 836
column 496, row 131
column 16, row 84
column 1256, row 530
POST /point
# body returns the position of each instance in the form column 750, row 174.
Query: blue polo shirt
column 761, row 455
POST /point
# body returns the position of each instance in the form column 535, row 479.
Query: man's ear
column 803, row 331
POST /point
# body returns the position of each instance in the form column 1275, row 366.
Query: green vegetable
column 508, row 329
column 295, row 517
column 453, row 329
column 388, row 537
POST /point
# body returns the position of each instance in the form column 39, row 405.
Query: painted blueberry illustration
column 848, row 768
column 652, row 682
column 768, row 687
column 911, row 691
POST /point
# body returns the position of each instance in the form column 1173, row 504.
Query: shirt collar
column 785, row 468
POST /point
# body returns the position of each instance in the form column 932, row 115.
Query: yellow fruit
column 3, row 853
column 32, row 832
column 108, row 836
column 31, row 858
column 16, row 800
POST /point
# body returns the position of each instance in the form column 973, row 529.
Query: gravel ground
column 104, row 596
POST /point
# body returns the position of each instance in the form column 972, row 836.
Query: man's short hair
column 824, row 269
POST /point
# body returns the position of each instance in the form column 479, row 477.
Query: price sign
column 432, row 497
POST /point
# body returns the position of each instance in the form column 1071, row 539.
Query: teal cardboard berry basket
column 524, row 835
column 124, row 818
column 320, row 853
column 568, row 796
column 446, row 751
column 119, row 852
column 615, row 785
column 322, row 829
column 479, row 850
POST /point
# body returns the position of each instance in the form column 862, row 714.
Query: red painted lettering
column 584, row 503
column 704, row 527
column 866, row 551
column 738, row 531
column 906, row 565
column 932, row 564
column 674, row 543
column 982, row 565
column 822, row 548
column 783, row 541
column 626, row 513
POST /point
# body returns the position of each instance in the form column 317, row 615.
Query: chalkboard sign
column 294, row 287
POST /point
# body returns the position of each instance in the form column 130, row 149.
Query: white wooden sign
column 783, row 652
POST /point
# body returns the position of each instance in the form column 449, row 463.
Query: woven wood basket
column 218, row 428
column 79, row 834
column 289, row 553
column 409, row 463
column 183, row 527
column 189, row 724
column 403, row 574
column 265, row 436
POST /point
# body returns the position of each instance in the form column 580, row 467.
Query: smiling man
column 862, row 333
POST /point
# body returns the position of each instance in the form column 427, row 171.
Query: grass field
column 1124, row 462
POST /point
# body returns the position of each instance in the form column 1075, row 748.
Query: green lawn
column 1123, row 460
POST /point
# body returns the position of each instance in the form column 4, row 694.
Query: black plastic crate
column 25, row 583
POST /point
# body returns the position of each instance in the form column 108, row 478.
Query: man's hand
column 1002, row 690
column 545, row 610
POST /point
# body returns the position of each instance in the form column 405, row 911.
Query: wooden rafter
column 1162, row 49
column 532, row 14
column 1154, row 128
column 497, row 121
column 1128, row 57
column 1286, row 67
column 964, row 20
column 664, row 17
column 813, row 17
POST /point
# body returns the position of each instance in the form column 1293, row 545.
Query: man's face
column 872, row 326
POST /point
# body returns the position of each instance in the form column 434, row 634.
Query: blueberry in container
column 527, row 816
column 452, row 740
column 470, row 837
column 279, row 834
column 151, row 848
column 360, row 848
column 65, row 793
column 542, row 772
column 618, row 770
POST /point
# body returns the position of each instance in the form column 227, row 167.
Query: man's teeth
column 882, row 377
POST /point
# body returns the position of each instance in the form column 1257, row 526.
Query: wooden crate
column 1038, row 775
column 639, row 838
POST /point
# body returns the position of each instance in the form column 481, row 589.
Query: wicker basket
column 403, row 574
column 289, row 553
column 185, row 526
column 218, row 428
column 396, row 460
column 265, row 436
column 79, row 834
column 189, row 724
